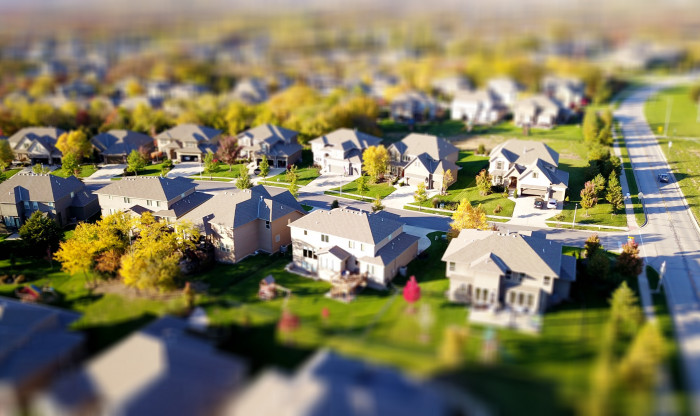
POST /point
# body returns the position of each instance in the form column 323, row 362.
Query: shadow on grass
column 99, row 337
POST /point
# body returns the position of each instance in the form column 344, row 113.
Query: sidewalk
column 629, row 210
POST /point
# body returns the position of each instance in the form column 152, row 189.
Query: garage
column 534, row 192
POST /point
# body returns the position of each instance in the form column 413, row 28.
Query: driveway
column 525, row 212
column 107, row 172
column 325, row 182
column 185, row 169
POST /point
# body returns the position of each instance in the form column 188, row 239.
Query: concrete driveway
column 325, row 182
column 525, row 212
column 107, row 172
column 185, row 169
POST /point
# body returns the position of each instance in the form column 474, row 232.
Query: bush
column 167, row 164
column 435, row 202
column 481, row 150
column 498, row 209
column 395, row 180
column 335, row 204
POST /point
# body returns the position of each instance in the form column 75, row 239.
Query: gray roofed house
column 37, row 145
column 161, row 369
column 242, row 222
column 36, row 343
column 477, row 107
column 412, row 106
column 538, row 110
column 166, row 197
column 505, row 89
column 568, row 91
column 341, row 150
column 451, row 85
column 519, row 272
column 115, row 145
column 423, row 158
column 251, row 91
column 280, row 145
column 530, row 167
column 63, row 199
column 188, row 142
column 377, row 245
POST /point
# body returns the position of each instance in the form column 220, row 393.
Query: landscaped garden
column 85, row 171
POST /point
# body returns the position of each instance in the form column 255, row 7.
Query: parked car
column 663, row 178
column 552, row 204
column 539, row 203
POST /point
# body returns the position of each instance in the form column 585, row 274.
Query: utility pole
column 574, row 220
column 669, row 103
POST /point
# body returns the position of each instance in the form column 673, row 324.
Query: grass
column 381, row 190
column 222, row 171
column 631, row 180
column 85, row 171
column 8, row 174
column 305, row 176
column 393, row 131
column 684, row 131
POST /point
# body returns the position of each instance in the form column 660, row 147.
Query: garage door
column 533, row 191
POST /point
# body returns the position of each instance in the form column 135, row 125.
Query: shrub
column 334, row 204
column 167, row 164
column 435, row 202
column 481, row 149
column 498, row 209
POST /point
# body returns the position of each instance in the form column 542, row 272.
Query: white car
column 552, row 204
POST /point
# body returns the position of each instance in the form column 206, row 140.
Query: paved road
column 670, row 235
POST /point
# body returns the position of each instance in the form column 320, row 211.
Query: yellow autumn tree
column 78, row 252
column 468, row 217
column 74, row 142
column 375, row 161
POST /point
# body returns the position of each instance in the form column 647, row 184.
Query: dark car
column 663, row 178
column 539, row 203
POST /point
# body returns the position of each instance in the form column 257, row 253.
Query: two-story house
column 327, row 244
column 241, row 222
column 477, row 107
column 569, row 92
column 64, row 199
column 36, row 145
column 280, row 145
column 188, row 142
column 167, row 198
column 114, row 146
column 537, row 111
column 413, row 106
column 530, row 167
column 341, row 151
column 525, row 273
column 505, row 89
column 423, row 158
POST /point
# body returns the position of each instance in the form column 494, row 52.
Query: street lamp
column 574, row 220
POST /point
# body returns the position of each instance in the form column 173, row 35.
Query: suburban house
column 450, row 86
column 167, row 198
column 477, row 107
column 536, row 111
column 239, row 223
column 150, row 372
column 530, row 167
column 328, row 244
column 423, row 158
column 569, row 92
column 280, row 145
column 188, row 142
column 251, row 91
column 525, row 273
column 341, row 150
column 37, row 345
column 65, row 200
column 114, row 146
column 36, row 145
column 413, row 106
column 505, row 89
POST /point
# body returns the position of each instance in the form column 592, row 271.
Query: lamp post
column 574, row 220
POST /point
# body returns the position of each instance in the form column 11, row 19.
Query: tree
column 588, row 196
column 599, row 185
column 614, row 193
column 377, row 205
column 625, row 312
column 264, row 166
column 294, row 187
column 6, row 154
column 420, row 195
column 228, row 151
column 41, row 232
column 70, row 164
column 74, row 143
column 40, row 169
column 243, row 181
column 108, row 262
column 447, row 180
column 335, row 204
column 77, row 253
column 591, row 126
column 362, row 184
column 133, row 88
column 291, row 175
column 598, row 265
column 135, row 162
column 167, row 165
column 483, row 182
column 468, row 217
column 592, row 245
column 237, row 117
column 640, row 365
column 375, row 161
column 628, row 262
column 210, row 164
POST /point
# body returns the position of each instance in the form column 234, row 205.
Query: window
column 35, row 205
column 149, row 202
column 521, row 298
column 157, row 203
column 309, row 253
column 72, row 194
column 362, row 247
column 324, row 238
column 267, row 224
column 306, row 232
column 547, row 280
column 511, row 297
column 127, row 200
column 530, row 299
column 499, row 165
column 26, row 204
column 452, row 266
column 370, row 268
column 351, row 244
column 535, row 175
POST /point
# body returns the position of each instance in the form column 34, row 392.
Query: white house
column 423, row 158
column 341, row 150
column 538, row 110
column 505, row 89
column 477, row 107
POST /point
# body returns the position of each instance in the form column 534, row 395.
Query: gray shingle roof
column 190, row 132
column 42, row 188
column 120, row 142
column 392, row 250
column 148, row 187
column 353, row 225
column 524, row 152
column 269, row 133
column 415, row 144
column 50, row 134
column 184, row 205
column 347, row 139
column 433, row 166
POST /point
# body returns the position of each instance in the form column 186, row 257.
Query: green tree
column 6, row 154
column 591, row 126
column 291, row 175
column 420, row 195
column 614, row 193
column 375, row 162
column 362, row 184
column 483, row 182
column 294, row 187
column 40, row 169
column 588, row 196
column 243, row 181
column 70, row 164
column 41, row 232
column 592, row 245
column 135, row 162
column 599, row 185
column 628, row 262
column 468, row 217
column 335, row 204
column 167, row 165
column 264, row 166
column 377, row 205
column 210, row 164
column 74, row 143
column 639, row 367
column 447, row 180
column 625, row 312
column 598, row 266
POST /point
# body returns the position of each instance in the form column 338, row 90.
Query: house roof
column 391, row 250
column 416, row 143
column 335, row 251
column 525, row 152
column 536, row 102
column 478, row 96
column 42, row 188
column 190, row 132
column 347, row 139
column 532, row 255
column 148, row 187
column 44, row 134
column 353, row 225
column 236, row 208
column 184, row 205
column 269, row 133
column 120, row 142
column 433, row 166
column 559, row 177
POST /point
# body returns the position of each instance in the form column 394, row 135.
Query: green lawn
column 8, row 174
column 85, row 171
column 393, row 131
column 684, row 131
column 223, row 171
column 306, row 175
column 381, row 190
column 631, row 180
